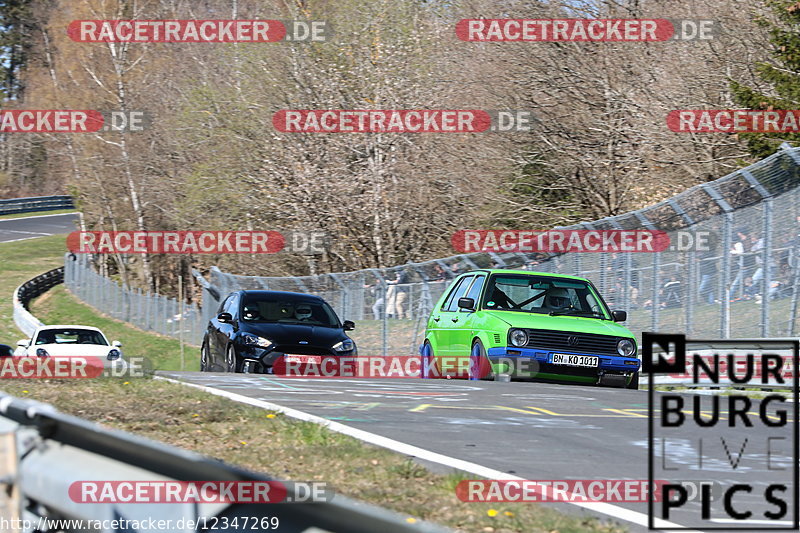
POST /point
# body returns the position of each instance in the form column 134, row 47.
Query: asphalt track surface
column 20, row 229
column 541, row 431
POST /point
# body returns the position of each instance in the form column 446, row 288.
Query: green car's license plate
column 575, row 360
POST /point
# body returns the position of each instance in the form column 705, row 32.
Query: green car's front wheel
column 479, row 366
column 429, row 369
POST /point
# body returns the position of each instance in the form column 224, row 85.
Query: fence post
column 766, row 258
column 691, row 289
column 655, row 300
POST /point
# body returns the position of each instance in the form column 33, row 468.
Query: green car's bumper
column 531, row 362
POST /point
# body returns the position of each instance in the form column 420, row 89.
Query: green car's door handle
column 455, row 319
column 436, row 319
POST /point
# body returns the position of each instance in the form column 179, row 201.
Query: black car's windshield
column 541, row 294
column 289, row 311
column 70, row 336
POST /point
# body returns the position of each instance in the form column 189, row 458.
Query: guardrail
column 43, row 452
column 35, row 203
column 29, row 290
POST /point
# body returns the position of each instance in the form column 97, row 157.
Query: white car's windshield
column 539, row 294
column 70, row 336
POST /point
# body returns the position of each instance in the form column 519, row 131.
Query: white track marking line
column 409, row 449
column 22, row 239
column 24, row 232
column 40, row 216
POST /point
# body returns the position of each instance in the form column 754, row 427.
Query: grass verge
column 19, row 262
column 285, row 448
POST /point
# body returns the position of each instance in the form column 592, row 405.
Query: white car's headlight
column 626, row 348
column 113, row 355
column 253, row 340
column 346, row 345
column 41, row 352
column 519, row 337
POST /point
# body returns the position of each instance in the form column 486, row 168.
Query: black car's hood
column 294, row 334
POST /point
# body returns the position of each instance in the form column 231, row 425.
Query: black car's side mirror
column 225, row 318
column 619, row 316
column 466, row 303
column 348, row 325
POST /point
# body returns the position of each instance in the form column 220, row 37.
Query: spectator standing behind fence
column 400, row 289
column 708, row 269
column 737, row 252
column 377, row 293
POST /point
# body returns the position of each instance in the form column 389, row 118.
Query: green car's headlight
column 518, row 337
column 626, row 348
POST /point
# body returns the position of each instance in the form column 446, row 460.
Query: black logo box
column 678, row 365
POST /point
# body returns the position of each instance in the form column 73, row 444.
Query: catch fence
column 743, row 285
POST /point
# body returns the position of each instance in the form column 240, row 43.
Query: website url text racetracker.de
column 196, row 242
column 244, row 523
column 583, row 30
column 402, row 120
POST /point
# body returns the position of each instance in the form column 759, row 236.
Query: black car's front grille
column 572, row 342
column 301, row 349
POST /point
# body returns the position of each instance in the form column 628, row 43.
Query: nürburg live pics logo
column 737, row 429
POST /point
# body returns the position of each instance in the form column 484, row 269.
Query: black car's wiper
column 574, row 311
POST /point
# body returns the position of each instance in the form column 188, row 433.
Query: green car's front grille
column 569, row 341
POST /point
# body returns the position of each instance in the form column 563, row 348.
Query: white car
column 69, row 341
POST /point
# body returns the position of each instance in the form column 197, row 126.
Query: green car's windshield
column 542, row 294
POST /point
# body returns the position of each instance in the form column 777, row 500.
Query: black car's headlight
column 519, row 337
column 346, row 345
column 113, row 355
column 254, row 340
column 41, row 352
column 626, row 348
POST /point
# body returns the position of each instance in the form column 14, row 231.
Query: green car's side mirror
column 466, row 303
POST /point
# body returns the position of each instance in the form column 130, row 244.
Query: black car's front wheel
column 231, row 361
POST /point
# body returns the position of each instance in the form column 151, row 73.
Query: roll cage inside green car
column 530, row 325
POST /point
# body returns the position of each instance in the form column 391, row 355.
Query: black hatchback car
column 254, row 328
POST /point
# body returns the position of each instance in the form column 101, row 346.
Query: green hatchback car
column 522, row 324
